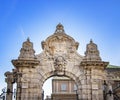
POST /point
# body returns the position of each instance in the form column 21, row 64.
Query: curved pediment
column 60, row 53
column 59, row 42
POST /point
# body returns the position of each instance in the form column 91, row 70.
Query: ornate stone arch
column 72, row 76
column 58, row 58
column 67, row 74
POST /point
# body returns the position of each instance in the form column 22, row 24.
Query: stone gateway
column 58, row 58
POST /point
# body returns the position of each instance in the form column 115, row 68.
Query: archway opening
column 47, row 88
column 60, row 88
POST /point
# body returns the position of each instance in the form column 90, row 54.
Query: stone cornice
column 94, row 64
column 25, row 63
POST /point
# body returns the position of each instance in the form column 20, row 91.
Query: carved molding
column 94, row 64
column 25, row 63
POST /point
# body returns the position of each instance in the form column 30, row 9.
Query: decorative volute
column 92, row 52
column 27, row 52
column 59, row 28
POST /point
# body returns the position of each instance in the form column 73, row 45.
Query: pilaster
column 94, row 78
column 27, row 86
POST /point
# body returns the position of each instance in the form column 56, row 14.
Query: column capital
column 10, row 78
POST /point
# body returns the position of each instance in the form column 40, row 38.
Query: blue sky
column 82, row 19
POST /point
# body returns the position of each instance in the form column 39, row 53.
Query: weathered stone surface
column 59, row 57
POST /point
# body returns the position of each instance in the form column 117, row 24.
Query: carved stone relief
column 60, row 63
column 60, row 57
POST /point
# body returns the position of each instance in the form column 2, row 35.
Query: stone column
column 97, row 83
column 25, row 64
column 94, row 77
column 9, row 80
column 25, row 80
